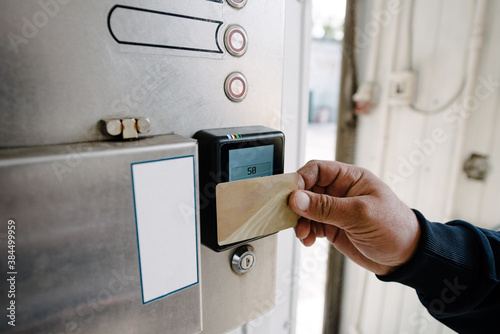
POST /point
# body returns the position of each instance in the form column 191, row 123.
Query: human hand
column 357, row 213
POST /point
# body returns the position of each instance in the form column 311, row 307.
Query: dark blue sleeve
column 456, row 272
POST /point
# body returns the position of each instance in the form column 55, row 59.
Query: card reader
column 232, row 154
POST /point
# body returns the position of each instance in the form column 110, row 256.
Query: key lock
column 243, row 259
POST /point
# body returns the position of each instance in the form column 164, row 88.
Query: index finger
column 338, row 178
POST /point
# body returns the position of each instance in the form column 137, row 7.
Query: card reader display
column 250, row 162
column 233, row 154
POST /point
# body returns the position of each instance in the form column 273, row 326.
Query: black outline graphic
column 219, row 50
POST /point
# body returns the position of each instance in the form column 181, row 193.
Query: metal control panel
column 97, row 96
column 69, row 64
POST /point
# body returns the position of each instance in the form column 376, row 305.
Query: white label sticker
column 165, row 209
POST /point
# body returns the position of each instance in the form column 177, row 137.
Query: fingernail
column 302, row 201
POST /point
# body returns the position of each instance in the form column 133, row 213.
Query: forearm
column 456, row 274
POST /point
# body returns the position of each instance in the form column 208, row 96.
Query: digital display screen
column 250, row 162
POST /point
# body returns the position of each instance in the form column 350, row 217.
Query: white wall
column 421, row 154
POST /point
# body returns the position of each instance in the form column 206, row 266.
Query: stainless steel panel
column 76, row 242
column 231, row 300
column 62, row 71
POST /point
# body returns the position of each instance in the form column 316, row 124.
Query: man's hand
column 357, row 213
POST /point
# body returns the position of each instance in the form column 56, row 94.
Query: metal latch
column 129, row 128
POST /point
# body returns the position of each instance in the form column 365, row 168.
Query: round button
column 243, row 259
column 236, row 40
column 237, row 3
column 236, row 87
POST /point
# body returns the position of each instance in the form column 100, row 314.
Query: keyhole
column 247, row 262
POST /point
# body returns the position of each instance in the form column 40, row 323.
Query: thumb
column 321, row 207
